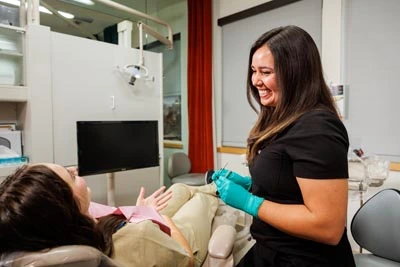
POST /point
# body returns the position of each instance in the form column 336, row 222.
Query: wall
column 229, row 7
column 8, row 112
column 176, row 15
column 238, row 36
column 371, row 65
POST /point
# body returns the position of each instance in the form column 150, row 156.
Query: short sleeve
column 318, row 145
column 144, row 244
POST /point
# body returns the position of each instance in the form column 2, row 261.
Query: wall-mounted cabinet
column 12, row 64
column 13, row 88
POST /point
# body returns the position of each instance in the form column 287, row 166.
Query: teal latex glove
column 243, row 181
column 236, row 196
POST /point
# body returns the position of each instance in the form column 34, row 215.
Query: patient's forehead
column 60, row 170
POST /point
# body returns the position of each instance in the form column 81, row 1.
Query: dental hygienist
column 297, row 155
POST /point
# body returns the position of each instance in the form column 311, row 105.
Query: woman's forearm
column 321, row 218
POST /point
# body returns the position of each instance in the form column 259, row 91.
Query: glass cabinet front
column 11, row 56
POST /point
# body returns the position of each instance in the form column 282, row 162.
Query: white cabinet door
column 87, row 85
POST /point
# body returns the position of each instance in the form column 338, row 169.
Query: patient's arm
column 178, row 237
column 158, row 200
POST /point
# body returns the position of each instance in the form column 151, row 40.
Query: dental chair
column 376, row 228
column 179, row 167
column 65, row 256
column 227, row 245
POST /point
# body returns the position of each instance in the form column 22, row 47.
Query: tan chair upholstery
column 376, row 228
column 179, row 167
column 230, row 240
column 65, row 256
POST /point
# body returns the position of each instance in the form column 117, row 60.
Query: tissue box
column 12, row 140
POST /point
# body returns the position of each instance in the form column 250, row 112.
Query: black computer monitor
column 112, row 146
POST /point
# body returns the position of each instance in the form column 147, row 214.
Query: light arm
column 118, row 6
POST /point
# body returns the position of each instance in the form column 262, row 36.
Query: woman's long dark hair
column 300, row 80
column 108, row 225
column 38, row 211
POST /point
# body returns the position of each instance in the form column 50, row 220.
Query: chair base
column 370, row 260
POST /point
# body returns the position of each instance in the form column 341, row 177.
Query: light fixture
column 45, row 10
column 85, row 2
column 11, row 2
column 135, row 72
column 17, row 3
column 66, row 14
column 139, row 70
column 142, row 71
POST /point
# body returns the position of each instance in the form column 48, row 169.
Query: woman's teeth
column 263, row 93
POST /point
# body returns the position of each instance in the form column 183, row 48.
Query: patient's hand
column 158, row 200
column 73, row 170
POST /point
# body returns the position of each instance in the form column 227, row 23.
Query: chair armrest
column 221, row 242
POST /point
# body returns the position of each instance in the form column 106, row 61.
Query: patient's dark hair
column 38, row 211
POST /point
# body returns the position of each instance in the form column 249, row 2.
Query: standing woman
column 297, row 155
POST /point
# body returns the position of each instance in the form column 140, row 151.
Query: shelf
column 14, row 28
column 173, row 144
column 395, row 166
column 11, row 53
column 9, row 93
column 12, row 74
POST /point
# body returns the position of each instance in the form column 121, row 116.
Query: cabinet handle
column 112, row 102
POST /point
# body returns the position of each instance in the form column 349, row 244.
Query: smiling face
column 263, row 76
column 78, row 185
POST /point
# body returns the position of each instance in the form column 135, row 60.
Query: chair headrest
column 178, row 164
column 376, row 225
column 73, row 255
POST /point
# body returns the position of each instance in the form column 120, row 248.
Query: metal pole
column 35, row 12
column 111, row 189
column 22, row 13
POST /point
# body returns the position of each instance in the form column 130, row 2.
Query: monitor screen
column 111, row 146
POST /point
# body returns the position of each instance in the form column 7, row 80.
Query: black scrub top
column 316, row 147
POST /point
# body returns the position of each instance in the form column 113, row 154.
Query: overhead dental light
column 139, row 70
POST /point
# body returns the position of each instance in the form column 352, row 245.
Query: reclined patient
column 45, row 206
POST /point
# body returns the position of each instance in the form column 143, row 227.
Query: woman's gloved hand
column 238, row 197
column 243, row 181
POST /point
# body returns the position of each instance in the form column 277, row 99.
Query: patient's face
column 77, row 183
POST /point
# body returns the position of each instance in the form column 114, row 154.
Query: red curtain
column 200, row 85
